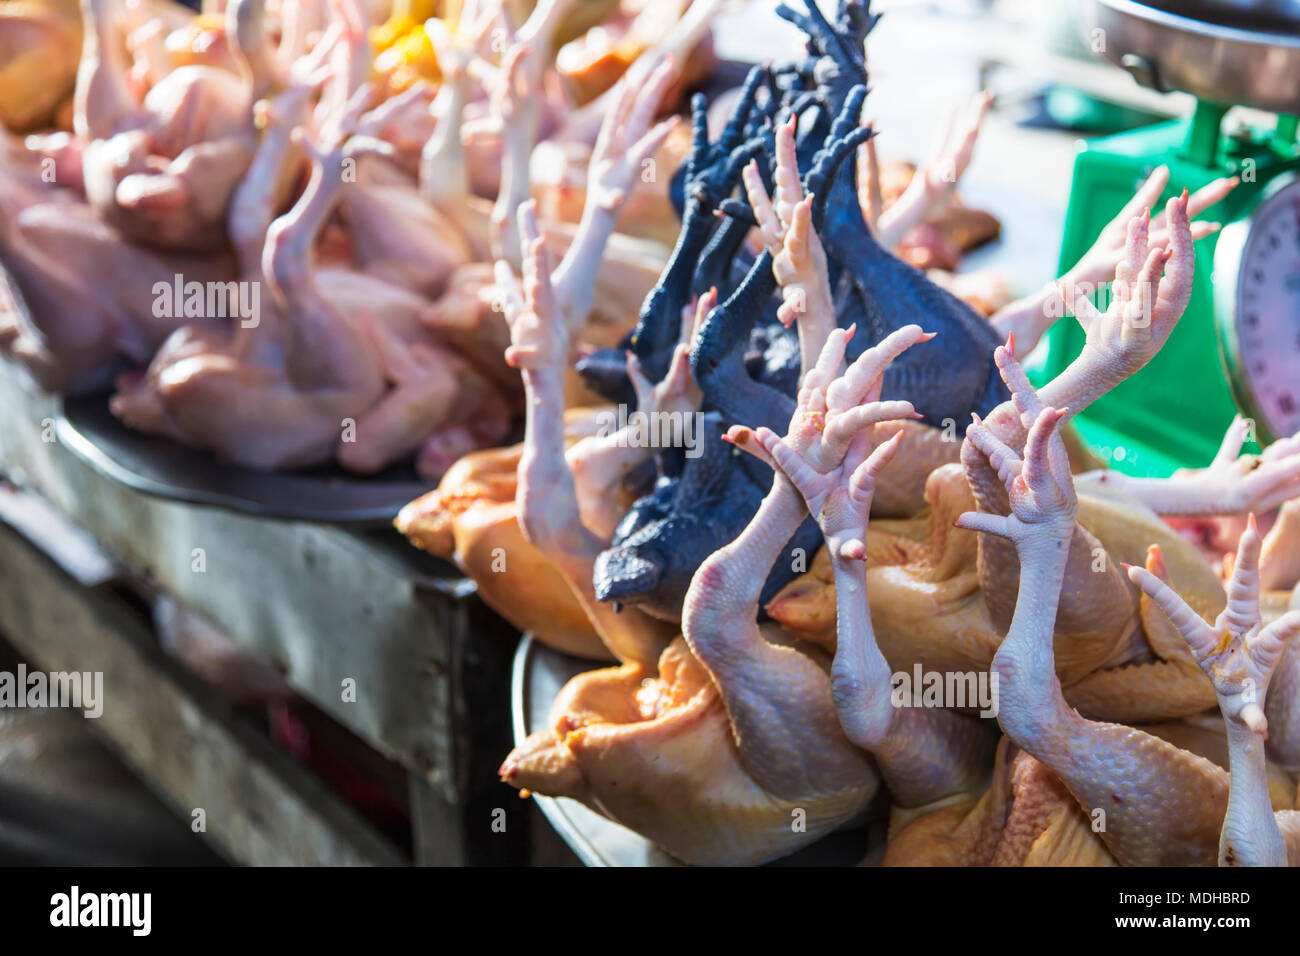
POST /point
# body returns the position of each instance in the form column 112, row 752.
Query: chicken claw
column 1099, row 263
column 1040, row 488
column 829, row 409
column 936, row 181
column 798, row 259
column 1233, row 484
column 1146, row 305
column 1237, row 652
column 1030, row 317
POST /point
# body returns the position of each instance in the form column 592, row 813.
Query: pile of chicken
column 1148, row 705
column 271, row 226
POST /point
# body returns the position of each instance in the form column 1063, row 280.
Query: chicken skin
column 1050, row 794
column 1070, row 791
column 748, row 787
column 1164, row 805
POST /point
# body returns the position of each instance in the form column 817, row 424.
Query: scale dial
column 1257, row 310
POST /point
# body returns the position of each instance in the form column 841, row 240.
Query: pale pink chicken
column 565, row 132
column 275, row 392
column 396, row 235
column 307, row 382
column 89, row 296
column 602, row 278
column 433, row 402
column 486, row 137
column 162, row 170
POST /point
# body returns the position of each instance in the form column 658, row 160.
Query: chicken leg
column 547, row 501
column 1162, row 805
column 924, row 754
column 1239, row 655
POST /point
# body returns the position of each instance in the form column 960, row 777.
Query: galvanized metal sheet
column 258, row 806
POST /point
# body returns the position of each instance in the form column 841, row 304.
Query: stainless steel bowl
column 1242, row 52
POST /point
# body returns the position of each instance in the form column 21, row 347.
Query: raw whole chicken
column 357, row 242
column 1111, row 638
column 872, row 492
column 670, row 719
column 39, row 45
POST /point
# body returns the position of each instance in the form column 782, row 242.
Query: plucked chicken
column 281, row 263
column 1123, row 662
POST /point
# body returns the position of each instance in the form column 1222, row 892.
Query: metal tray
column 1224, row 51
column 539, row 673
column 161, row 468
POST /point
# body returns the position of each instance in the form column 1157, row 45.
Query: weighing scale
column 1237, row 347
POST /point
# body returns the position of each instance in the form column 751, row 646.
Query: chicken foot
column 1231, row 485
column 547, row 500
column 626, row 139
column 1160, row 805
column 924, row 754
column 1029, row 318
column 1240, row 654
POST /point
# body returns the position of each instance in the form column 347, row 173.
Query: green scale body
column 1174, row 412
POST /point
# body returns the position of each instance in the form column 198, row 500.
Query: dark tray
column 158, row 466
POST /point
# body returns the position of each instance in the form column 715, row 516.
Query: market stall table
column 387, row 642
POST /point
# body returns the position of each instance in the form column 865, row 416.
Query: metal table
column 424, row 663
